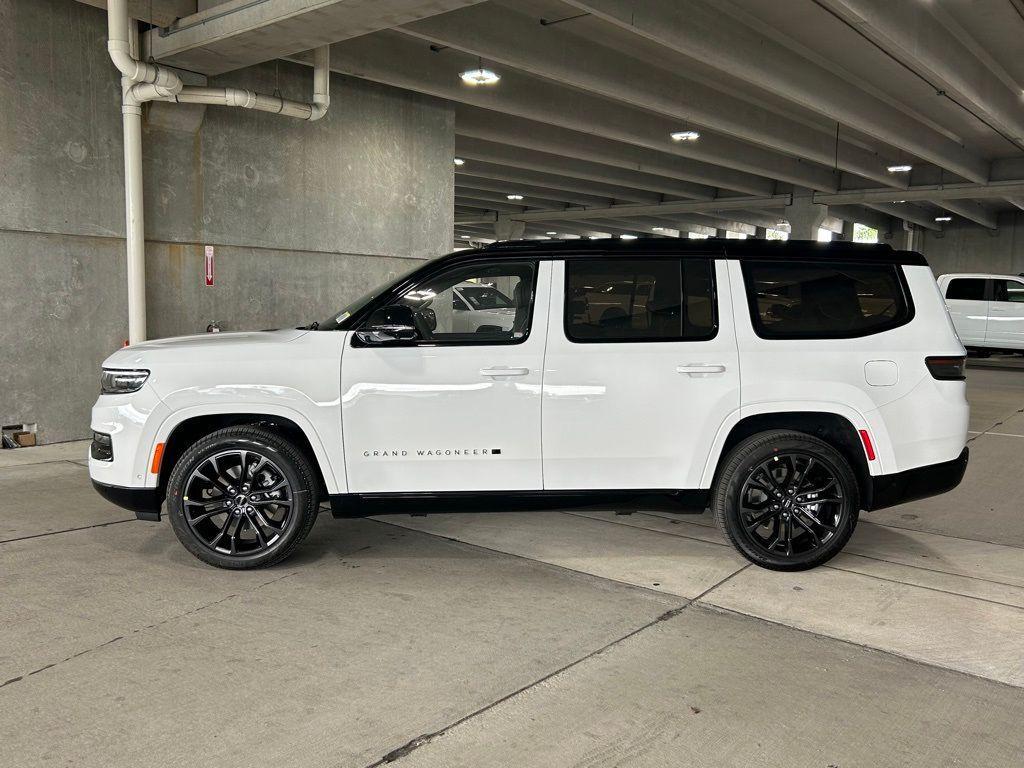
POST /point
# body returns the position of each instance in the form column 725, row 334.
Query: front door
column 458, row 408
column 967, row 300
column 1006, row 315
column 641, row 371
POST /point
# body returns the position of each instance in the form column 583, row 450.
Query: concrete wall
column 970, row 248
column 303, row 216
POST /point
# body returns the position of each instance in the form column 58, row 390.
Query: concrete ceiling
column 814, row 94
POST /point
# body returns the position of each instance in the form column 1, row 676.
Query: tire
column 754, row 484
column 273, row 509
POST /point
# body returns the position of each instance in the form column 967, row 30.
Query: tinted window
column 484, row 297
column 823, row 300
column 1007, row 290
column 445, row 311
column 968, row 288
column 638, row 299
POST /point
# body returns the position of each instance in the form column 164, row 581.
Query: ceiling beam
column 531, row 160
column 477, row 170
column 662, row 209
column 544, row 137
column 972, row 211
column 554, row 52
column 240, row 33
column 464, row 180
column 698, row 29
column 926, row 39
column 906, row 212
column 488, row 205
column 406, row 62
column 465, row 192
column 933, row 192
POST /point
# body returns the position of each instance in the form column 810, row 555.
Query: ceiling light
column 514, row 197
column 900, row 168
column 899, row 201
column 685, row 136
column 943, row 218
column 479, row 76
column 550, row 233
column 464, row 237
column 459, row 161
column 627, row 237
column 657, row 229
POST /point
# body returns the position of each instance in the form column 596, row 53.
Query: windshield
column 335, row 321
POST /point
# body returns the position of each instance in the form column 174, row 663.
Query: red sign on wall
column 209, row 265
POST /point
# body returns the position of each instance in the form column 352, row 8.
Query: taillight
column 946, row 368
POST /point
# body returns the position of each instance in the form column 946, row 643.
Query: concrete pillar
column 720, row 233
column 804, row 216
column 760, row 233
column 508, row 229
column 847, row 233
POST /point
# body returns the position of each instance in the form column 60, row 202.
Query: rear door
column 1006, row 314
column 967, row 300
column 640, row 372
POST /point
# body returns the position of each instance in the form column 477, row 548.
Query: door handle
column 698, row 368
column 496, row 372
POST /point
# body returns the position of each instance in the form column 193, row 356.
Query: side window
column 1007, row 290
column 806, row 300
column 968, row 288
column 481, row 304
column 637, row 299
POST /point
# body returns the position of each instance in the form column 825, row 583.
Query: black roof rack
column 733, row 249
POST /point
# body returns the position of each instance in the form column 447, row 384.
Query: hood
column 201, row 347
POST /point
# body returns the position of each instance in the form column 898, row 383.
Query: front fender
column 334, row 476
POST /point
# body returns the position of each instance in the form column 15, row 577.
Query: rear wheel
column 242, row 497
column 786, row 500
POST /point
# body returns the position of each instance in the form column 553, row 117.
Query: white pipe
column 142, row 82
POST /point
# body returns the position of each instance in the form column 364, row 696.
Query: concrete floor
column 542, row 639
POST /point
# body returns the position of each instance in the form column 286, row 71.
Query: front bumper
column 919, row 483
column 144, row 502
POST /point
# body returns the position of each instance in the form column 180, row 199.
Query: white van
column 788, row 386
column 987, row 310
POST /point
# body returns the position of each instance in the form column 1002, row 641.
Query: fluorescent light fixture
column 464, row 237
column 943, row 218
column 657, row 229
column 550, row 233
column 459, row 161
column 900, row 168
column 514, row 197
column 479, row 76
column 685, row 135
column 627, row 237
column 899, row 201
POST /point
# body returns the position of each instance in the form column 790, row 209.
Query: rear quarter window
column 825, row 300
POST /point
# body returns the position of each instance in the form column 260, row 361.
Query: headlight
column 120, row 382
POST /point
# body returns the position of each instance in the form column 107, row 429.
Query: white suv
column 788, row 386
column 987, row 310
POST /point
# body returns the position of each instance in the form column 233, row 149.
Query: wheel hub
column 238, row 502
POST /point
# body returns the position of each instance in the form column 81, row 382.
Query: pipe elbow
column 118, row 50
column 319, row 109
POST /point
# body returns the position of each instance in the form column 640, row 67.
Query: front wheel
column 242, row 497
column 786, row 500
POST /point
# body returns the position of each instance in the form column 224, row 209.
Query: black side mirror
column 389, row 325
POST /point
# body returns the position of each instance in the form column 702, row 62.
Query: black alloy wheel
column 786, row 500
column 242, row 497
